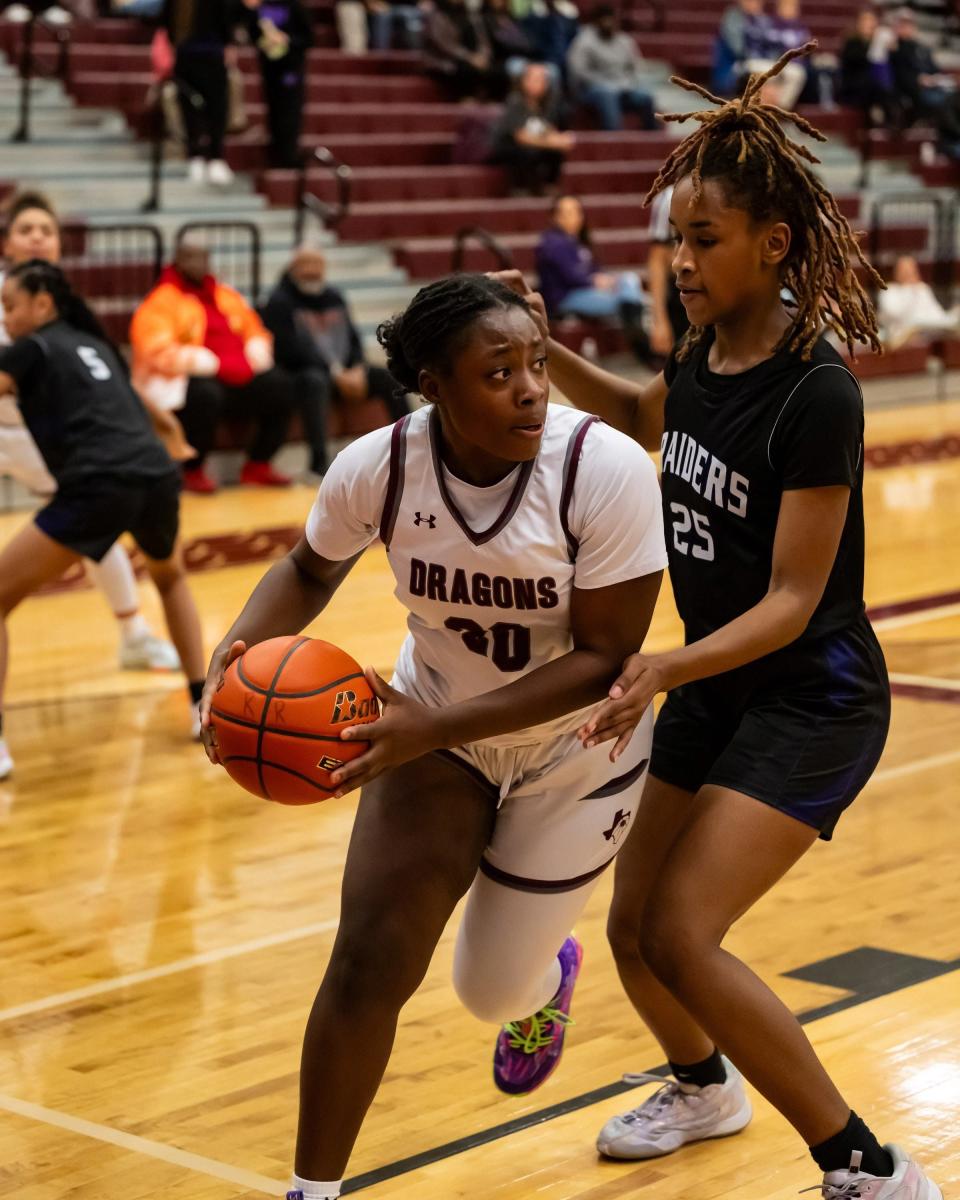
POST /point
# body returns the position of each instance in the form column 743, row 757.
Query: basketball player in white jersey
column 527, row 546
column 31, row 230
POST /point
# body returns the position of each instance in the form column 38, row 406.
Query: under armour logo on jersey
column 430, row 521
column 619, row 826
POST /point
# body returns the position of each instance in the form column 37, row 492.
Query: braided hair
column 37, row 276
column 742, row 144
column 432, row 328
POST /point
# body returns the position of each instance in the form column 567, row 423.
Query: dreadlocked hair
column 430, row 331
column 37, row 276
column 742, row 144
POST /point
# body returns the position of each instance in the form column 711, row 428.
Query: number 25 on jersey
column 691, row 532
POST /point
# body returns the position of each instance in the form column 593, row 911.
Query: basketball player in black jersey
column 112, row 473
column 778, row 704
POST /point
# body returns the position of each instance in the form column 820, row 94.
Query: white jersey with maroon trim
column 486, row 574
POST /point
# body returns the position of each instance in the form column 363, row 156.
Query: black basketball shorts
column 88, row 517
column 801, row 731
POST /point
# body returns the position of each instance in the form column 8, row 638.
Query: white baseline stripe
column 249, row 1180
column 171, row 968
column 882, row 624
column 930, row 681
column 919, row 764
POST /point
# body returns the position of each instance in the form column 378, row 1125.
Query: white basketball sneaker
column 675, row 1114
column 907, row 1182
column 6, row 760
column 147, row 652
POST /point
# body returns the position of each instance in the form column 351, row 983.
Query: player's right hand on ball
column 223, row 656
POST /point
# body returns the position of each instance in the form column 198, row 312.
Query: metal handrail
column 28, row 71
column 486, row 239
column 941, row 215
column 329, row 215
column 157, row 126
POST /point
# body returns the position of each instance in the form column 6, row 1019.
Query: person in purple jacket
column 572, row 282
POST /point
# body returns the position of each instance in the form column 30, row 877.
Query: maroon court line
column 899, row 608
column 922, row 691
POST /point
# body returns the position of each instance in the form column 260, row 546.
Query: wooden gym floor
column 162, row 933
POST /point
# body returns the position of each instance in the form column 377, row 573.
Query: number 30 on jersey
column 691, row 532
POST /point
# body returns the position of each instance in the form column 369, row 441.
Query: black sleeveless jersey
column 80, row 407
column 732, row 445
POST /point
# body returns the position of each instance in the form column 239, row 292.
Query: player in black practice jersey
column 112, row 473
column 778, row 704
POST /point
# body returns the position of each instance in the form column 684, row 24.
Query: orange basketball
column 279, row 713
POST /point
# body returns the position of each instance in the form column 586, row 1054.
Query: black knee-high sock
column 834, row 1154
column 701, row 1074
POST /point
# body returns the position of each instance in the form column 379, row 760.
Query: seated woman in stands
column 527, row 139
column 572, row 282
column 909, row 309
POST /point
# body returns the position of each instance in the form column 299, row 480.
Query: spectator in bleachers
column 742, row 36
column 866, row 77
column 527, row 138
column 387, row 16
column 457, row 50
column 765, row 38
column 669, row 318
column 317, row 343
column 551, row 26
column 199, row 34
column 925, row 93
column 909, row 308
column 353, row 28
column 572, row 282
column 510, row 45
column 283, row 36
column 604, row 66
column 199, row 348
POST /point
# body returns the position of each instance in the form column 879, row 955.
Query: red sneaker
column 262, row 474
column 196, row 479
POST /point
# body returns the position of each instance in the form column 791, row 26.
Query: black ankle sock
column 701, row 1074
column 196, row 690
column 834, row 1154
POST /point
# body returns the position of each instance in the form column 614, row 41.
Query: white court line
column 919, row 764
column 901, row 620
column 249, row 1180
column 170, row 968
column 929, row 681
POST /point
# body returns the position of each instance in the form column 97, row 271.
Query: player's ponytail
column 38, row 276
column 427, row 334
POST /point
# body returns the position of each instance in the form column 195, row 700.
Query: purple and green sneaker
column 528, row 1051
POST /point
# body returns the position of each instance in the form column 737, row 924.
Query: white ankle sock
column 133, row 627
column 314, row 1189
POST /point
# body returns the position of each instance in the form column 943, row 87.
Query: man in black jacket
column 315, row 339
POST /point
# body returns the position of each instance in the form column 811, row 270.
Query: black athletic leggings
column 201, row 78
column 268, row 400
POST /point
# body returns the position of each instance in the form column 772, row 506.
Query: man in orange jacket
column 198, row 347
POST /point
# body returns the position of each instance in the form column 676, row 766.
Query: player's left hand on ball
column 630, row 697
column 405, row 730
